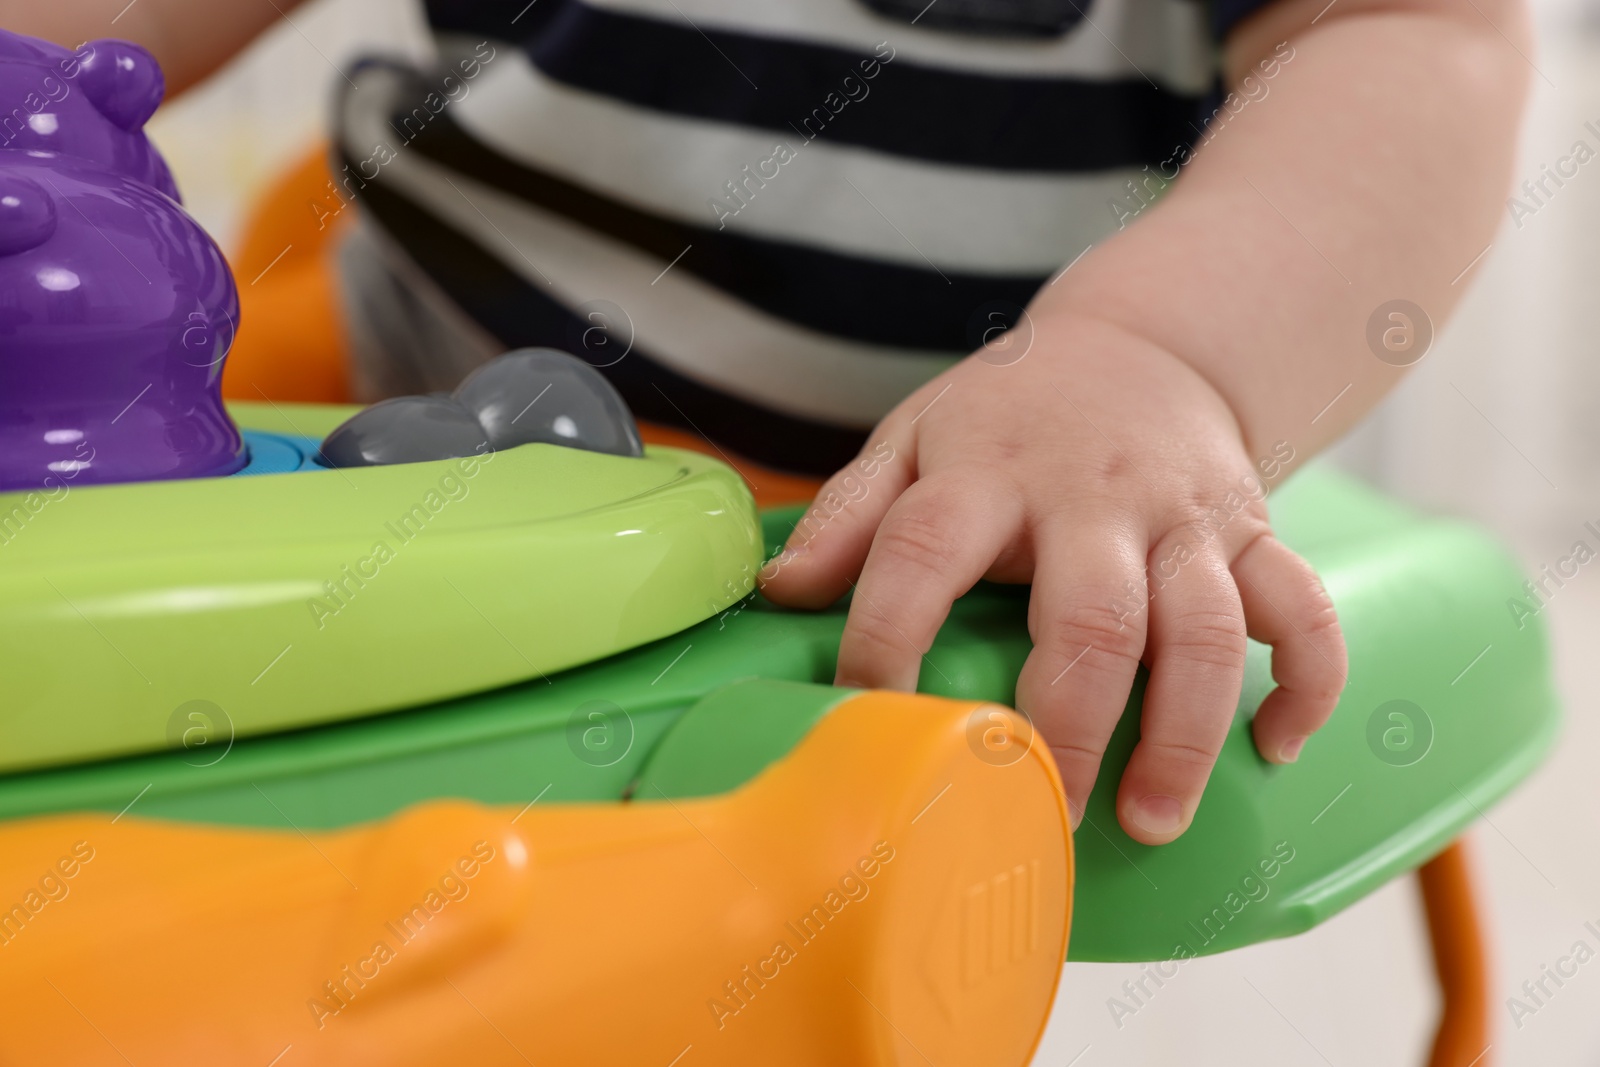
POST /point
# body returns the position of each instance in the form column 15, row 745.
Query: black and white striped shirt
column 768, row 220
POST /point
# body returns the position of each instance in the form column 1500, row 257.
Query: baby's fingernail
column 787, row 555
column 1074, row 813
column 1291, row 750
column 1158, row 815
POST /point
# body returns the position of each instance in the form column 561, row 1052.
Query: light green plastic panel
column 302, row 598
column 296, row 420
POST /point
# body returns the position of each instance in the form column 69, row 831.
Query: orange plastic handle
column 886, row 891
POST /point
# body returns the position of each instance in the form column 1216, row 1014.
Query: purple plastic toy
column 116, row 308
column 92, row 103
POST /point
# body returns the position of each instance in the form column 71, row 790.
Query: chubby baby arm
column 1211, row 345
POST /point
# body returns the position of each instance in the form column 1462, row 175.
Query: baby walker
column 452, row 730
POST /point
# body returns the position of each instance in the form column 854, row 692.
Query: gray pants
column 405, row 335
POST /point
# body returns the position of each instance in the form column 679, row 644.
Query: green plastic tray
column 1272, row 851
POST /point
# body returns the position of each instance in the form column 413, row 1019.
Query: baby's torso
column 767, row 220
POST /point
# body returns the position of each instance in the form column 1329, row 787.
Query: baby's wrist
column 1077, row 340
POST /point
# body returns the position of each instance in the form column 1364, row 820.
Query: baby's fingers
column 938, row 539
column 826, row 549
column 1286, row 607
column 1196, row 657
column 1087, row 617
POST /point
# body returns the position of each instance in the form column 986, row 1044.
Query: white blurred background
column 1498, row 423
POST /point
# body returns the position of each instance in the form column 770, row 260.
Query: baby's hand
column 1112, row 476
